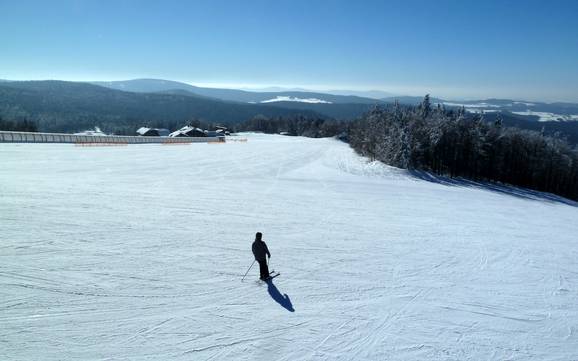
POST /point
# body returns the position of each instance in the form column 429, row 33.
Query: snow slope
column 136, row 253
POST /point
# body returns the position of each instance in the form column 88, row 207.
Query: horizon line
column 419, row 91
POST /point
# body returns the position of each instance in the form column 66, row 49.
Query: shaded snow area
column 137, row 253
column 295, row 99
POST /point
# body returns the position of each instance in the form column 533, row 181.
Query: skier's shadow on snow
column 283, row 300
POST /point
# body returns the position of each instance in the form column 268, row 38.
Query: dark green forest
column 18, row 125
column 57, row 106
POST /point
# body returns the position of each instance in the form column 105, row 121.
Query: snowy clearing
column 295, row 99
column 136, row 253
column 548, row 117
column 476, row 105
column 481, row 111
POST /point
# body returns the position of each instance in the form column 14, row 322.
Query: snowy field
column 549, row 117
column 137, row 253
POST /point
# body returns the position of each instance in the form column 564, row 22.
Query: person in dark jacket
column 260, row 251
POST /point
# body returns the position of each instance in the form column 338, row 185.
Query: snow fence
column 27, row 137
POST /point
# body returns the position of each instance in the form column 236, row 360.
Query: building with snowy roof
column 188, row 131
column 152, row 132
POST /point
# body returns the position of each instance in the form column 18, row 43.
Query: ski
column 271, row 276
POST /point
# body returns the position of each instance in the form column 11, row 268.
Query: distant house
column 188, row 131
column 152, row 132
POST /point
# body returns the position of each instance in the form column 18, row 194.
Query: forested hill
column 160, row 85
column 564, row 130
column 59, row 106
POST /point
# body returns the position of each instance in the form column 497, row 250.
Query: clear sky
column 451, row 48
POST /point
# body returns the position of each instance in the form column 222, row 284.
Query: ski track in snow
column 136, row 253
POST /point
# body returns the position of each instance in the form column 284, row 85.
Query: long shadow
column 523, row 193
column 283, row 300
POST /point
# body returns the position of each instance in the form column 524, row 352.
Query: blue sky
column 449, row 48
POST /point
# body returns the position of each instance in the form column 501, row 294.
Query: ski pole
column 248, row 270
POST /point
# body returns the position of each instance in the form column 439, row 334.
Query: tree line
column 458, row 144
column 21, row 125
column 445, row 142
column 311, row 127
column 451, row 142
column 68, row 107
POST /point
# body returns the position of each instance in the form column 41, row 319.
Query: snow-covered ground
column 549, row 117
column 476, row 105
column 137, row 253
column 295, row 99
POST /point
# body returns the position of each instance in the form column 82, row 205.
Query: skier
column 260, row 251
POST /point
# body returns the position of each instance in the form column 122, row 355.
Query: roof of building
column 153, row 131
column 185, row 131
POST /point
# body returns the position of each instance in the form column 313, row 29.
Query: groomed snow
column 137, row 253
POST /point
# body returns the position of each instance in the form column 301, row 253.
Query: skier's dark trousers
column 260, row 251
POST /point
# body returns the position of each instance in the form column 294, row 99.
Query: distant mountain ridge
column 243, row 96
column 538, row 111
column 76, row 106
column 59, row 106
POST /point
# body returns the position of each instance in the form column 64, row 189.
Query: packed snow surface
column 137, row 253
